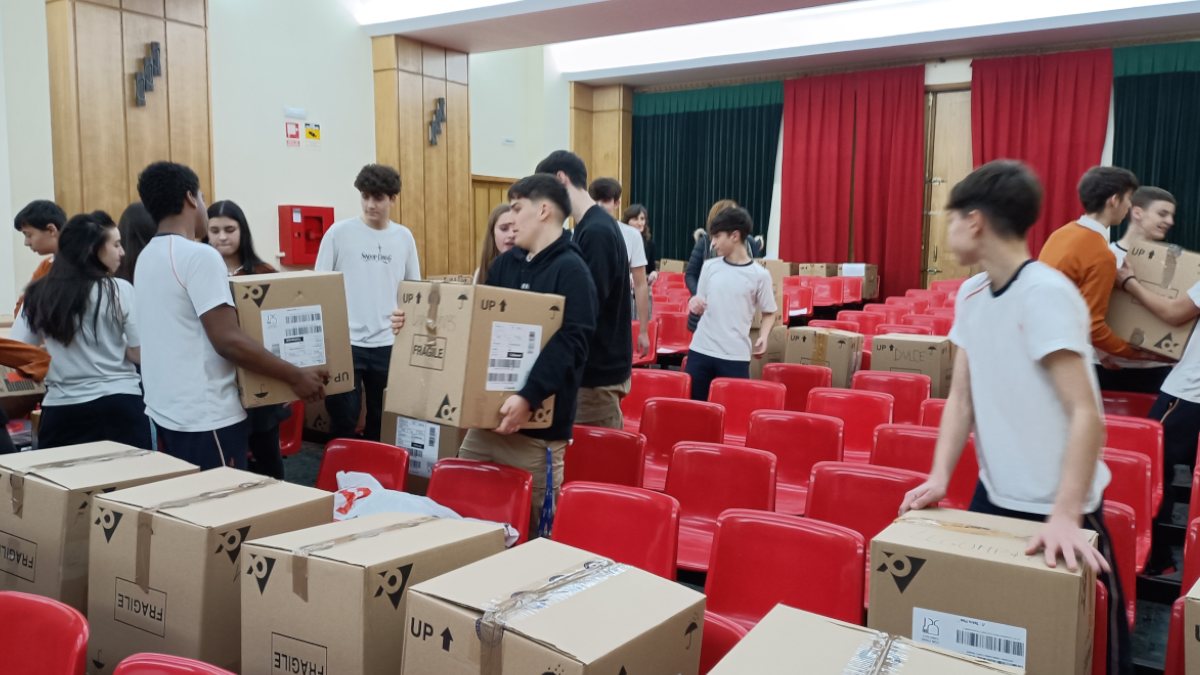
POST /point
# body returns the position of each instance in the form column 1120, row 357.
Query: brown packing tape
column 17, row 479
column 866, row 659
column 962, row 528
column 435, row 300
column 1171, row 264
column 145, row 529
column 820, row 348
column 300, row 555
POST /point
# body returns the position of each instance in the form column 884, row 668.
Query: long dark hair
column 634, row 211
column 137, row 229
column 246, row 255
column 55, row 304
column 488, row 251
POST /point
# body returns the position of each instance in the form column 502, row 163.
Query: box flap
column 257, row 279
column 789, row 640
column 618, row 603
column 89, row 465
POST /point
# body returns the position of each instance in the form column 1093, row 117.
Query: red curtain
column 889, row 175
column 1049, row 111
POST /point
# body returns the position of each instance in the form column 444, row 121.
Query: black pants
column 1120, row 650
column 208, row 449
column 704, row 369
column 265, row 458
column 370, row 374
column 6, row 443
column 120, row 418
column 1181, row 425
column 1140, row 380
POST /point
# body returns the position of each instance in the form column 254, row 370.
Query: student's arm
column 228, row 339
column 957, row 419
column 1096, row 287
column 1175, row 311
column 765, row 303
column 699, row 301
column 641, row 293
column 327, row 253
column 128, row 313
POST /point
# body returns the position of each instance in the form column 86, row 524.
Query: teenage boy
column 374, row 255
column 191, row 342
column 610, row 353
column 40, row 221
column 1021, row 326
column 607, row 193
column 1150, row 218
column 731, row 289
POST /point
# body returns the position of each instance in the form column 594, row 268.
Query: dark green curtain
column 692, row 148
column 1156, row 106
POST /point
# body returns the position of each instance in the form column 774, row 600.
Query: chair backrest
column 1139, row 435
column 902, row 329
column 604, row 455
column 915, row 305
column 387, row 463
column 667, row 421
column 940, row 325
column 41, row 636
column 892, row 312
column 799, row 379
column 483, row 490
column 867, row 321
column 1194, row 502
column 708, row 478
column 743, row 397
column 720, row 636
column 909, row 390
column 798, row 301
column 840, row 324
column 651, row 336
column 645, row 384
column 827, row 291
column 291, row 430
column 1127, row 403
column 934, row 297
column 852, row 290
column 931, row 412
column 673, row 334
column 628, row 524
column 1131, row 485
column 163, row 664
column 1119, row 521
column 947, row 312
column 861, row 497
column 906, row 446
column 862, row 411
column 798, row 441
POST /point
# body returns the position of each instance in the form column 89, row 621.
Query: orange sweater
column 1084, row 256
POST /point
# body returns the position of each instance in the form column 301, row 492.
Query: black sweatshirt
column 559, row 368
column 610, row 355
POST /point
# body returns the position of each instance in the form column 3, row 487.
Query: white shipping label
column 421, row 440
column 854, row 269
column 988, row 640
column 295, row 334
column 514, row 348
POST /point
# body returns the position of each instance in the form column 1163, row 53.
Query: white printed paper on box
column 295, row 334
column 421, row 440
column 514, row 348
column 989, row 640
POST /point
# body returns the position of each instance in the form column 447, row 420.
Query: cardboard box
column 565, row 611
column 425, row 442
column 301, row 318
column 776, row 345
column 778, row 269
column 667, row 265
column 166, row 560
column 465, row 349
column 1191, row 630
column 331, row 598
column 316, row 417
column 961, row 581
column 817, row 269
column 869, row 273
column 931, row 355
column 47, row 497
column 15, row 387
column 788, row 641
column 1169, row 271
column 839, row 350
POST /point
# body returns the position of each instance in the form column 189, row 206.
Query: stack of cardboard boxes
column 838, row 350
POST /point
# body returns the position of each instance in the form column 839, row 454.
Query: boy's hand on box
column 309, row 385
column 397, row 321
column 697, row 305
column 1123, row 272
column 926, row 494
column 1061, row 536
column 514, row 413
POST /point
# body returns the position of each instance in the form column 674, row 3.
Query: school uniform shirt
column 188, row 385
column 94, row 364
column 634, row 245
column 732, row 293
column 1020, row 426
column 373, row 263
column 1184, row 380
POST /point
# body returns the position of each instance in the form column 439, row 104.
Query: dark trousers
column 1140, row 380
column 265, row 458
column 370, row 375
column 6, row 443
column 1181, row 425
column 1120, row 650
column 120, row 418
column 704, row 369
column 208, row 449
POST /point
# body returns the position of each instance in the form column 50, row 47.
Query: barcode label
column 513, row 350
column 988, row 640
column 302, row 318
column 504, row 363
column 295, row 334
column 421, row 440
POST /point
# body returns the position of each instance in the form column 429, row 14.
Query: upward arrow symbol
column 447, row 638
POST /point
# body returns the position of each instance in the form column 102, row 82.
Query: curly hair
column 378, row 179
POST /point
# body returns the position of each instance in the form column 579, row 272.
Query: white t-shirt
column 1021, row 428
column 733, row 293
column 635, row 246
column 94, row 364
column 1184, row 380
column 189, row 387
column 1115, row 247
column 373, row 263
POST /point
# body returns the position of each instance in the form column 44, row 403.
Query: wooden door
column 949, row 160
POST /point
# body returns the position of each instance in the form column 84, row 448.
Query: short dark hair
column 605, row 190
column 164, row 187
column 1005, row 191
column 733, row 219
column 1100, row 183
column 567, row 162
column 40, row 214
column 1148, row 194
column 378, row 179
column 542, row 186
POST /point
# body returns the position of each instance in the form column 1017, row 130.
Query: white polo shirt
column 1020, row 426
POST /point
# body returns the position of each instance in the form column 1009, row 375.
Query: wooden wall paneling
column 437, row 227
column 187, row 99
column 64, row 105
column 413, row 138
column 456, row 67
column 433, row 61
column 606, row 145
column 102, row 157
column 115, row 4
column 152, row 7
column 626, row 157
column 580, row 120
column 461, row 238
column 188, row 11
column 383, row 52
column 147, row 128
column 408, row 55
column 387, row 129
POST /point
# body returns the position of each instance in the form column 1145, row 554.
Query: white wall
column 268, row 54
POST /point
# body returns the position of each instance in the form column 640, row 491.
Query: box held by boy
column 1169, row 271
column 333, row 598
